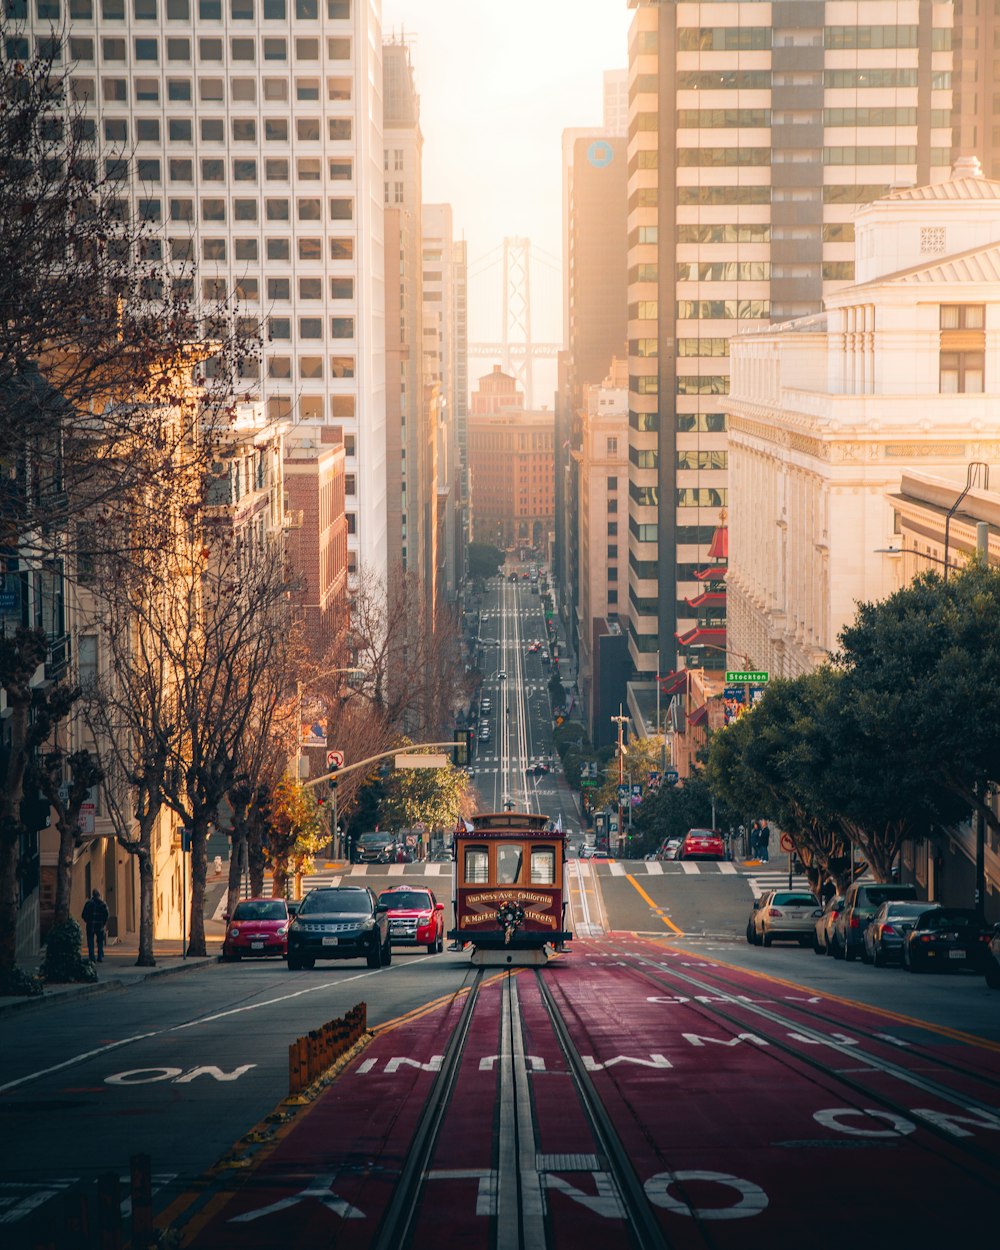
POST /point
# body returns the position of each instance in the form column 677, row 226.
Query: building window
column 962, row 373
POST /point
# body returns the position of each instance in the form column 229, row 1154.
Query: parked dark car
column 947, row 938
column 886, row 932
column 861, row 902
column 339, row 922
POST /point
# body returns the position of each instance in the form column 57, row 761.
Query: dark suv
column 861, row 901
column 339, row 922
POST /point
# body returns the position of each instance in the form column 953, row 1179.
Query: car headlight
column 367, row 925
column 234, row 932
column 282, row 932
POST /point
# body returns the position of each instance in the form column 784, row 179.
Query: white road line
column 617, row 870
column 727, row 869
column 654, row 868
column 193, row 1024
column 687, row 866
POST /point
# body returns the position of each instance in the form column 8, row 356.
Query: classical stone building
column 827, row 412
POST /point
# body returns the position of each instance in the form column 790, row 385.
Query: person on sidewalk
column 95, row 917
column 765, row 841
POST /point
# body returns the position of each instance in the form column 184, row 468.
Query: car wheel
column 757, row 938
column 913, row 966
column 817, row 949
column 387, row 953
column 849, row 954
column 993, row 975
column 374, row 957
column 865, row 957
column 767, row 939
column 750, row 940
column 803, row 941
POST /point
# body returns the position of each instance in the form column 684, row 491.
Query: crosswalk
column 761, row 882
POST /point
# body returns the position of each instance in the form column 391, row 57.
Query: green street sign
column 741, row 675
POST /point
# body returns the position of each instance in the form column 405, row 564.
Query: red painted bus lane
column 737, row 1128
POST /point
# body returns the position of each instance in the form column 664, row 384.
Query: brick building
column 511, row 464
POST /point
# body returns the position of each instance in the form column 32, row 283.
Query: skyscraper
column 753, row 134
column 251, row 130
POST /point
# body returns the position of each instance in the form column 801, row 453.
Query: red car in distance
column 415, row 916
column 258, row 926
column 702, row 844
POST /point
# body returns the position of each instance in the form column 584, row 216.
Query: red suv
column 702, row 844
column 258, row 926
column 416, row 918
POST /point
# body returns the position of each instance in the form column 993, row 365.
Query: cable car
column 509, row 897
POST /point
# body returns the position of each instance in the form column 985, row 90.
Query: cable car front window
column 477, row 865
column 509, row 864
column 543, row 865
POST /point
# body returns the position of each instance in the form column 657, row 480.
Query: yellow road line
column 655, row 906
column 956, row 1035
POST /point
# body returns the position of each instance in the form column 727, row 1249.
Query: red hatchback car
column 702, row 844
column 258, row 926
column 416, row 918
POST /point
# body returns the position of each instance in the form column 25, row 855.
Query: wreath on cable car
column 510, row 917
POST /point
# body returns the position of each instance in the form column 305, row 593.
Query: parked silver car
column 861, row 902
column 824, row 925
column 784, row 914
column 885, row 934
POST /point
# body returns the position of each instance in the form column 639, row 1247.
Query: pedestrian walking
column 754, row 840
column 95, row 917
column 765, row 841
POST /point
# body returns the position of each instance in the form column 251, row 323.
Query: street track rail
column 394, row 1230
column 520, row 1207
column 987, row 1169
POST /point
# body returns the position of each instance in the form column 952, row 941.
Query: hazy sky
column 499, row 81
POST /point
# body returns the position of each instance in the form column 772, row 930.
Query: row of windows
column 720, row 158
column 703, row 347
column 686, row 496
column 715, row 80
column 724, row 195
column 146, row 51
column 210, row 91
column 723, row 309
column 728, row 233
column 687, row 536
column 213, row 91
column 278, row 289
column 884, row 37
column 723, row 38
column 712, row 384
column 724, row 271
column 311, row 368
column 310, row 327
column 725, row 118
column 180, row 10
column 687, row 422
column 279, row 249
column 243, row 169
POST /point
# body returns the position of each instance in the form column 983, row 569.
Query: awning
column 714, row 573
column 673, row 683
column 699, row 715
column 708, row 599
column 703, row 633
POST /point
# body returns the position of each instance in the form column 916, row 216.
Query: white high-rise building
column 252, row 130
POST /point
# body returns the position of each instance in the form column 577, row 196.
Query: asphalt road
column 182, row 1066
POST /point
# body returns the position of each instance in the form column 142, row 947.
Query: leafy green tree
column 671, row 810
column 485, row 560
column 920, row 668
column 434, row 797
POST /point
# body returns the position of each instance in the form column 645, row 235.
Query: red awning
column 673, row 683
column 719, row 550
column 699, row 715
column 714, row 573
column 708, row 599
column 702, row 633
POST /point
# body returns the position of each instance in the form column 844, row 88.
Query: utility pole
column 621, row 721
